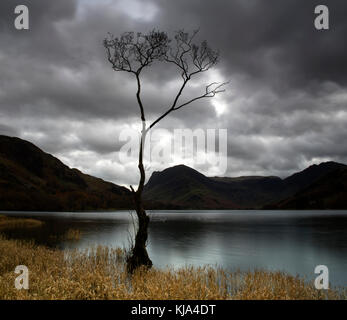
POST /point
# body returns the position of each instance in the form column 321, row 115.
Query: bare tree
column 133, row 53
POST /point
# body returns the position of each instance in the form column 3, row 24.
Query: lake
column 291, row 241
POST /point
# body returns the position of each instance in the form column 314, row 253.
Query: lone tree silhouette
column 132, row 53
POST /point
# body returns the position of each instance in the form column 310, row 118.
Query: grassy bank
column 12, row 223
column 99, row 273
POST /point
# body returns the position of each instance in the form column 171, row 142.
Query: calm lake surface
column 291, row 241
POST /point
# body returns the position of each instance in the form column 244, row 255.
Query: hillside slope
column 328, row 192
column 31, row 179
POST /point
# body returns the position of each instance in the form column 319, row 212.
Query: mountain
column 328, row 192
column 31, row 179
column 186, row 188
column 303, row 179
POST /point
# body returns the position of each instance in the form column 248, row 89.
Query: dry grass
column 14, row 223
column 99, row 273
column 73, row 234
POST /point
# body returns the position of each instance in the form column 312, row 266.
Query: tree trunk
column 139, row 256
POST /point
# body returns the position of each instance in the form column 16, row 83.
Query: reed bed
column 100, row 273
column 14, row 223
column 72, row 235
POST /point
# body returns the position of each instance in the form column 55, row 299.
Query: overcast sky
column 285, row 107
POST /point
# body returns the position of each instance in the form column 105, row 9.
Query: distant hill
column 328, row 192
column 185, row 187
column 31, row 179
column 300, row 180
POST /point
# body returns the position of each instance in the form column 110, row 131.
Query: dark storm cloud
column 7, row 130
column 257, row 37
column 58, row 67
column 284, row 108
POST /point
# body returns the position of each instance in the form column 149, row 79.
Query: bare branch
column 210, row 92
column 132, row 52
column 190, row 57
column 138, row 97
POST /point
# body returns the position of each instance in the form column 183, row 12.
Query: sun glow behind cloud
column 219, row 102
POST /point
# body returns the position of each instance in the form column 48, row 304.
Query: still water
column 291, row 241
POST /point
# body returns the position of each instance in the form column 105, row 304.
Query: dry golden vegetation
column 72, row 234
column 99, row 273
column 12, row 223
